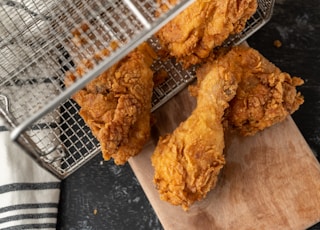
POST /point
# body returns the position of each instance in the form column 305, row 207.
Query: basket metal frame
column 54, row 158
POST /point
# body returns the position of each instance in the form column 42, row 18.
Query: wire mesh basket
column 35, row 39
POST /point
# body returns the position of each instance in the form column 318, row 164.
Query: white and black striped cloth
column 29, row 195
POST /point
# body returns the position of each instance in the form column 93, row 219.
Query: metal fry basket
column 35, row 38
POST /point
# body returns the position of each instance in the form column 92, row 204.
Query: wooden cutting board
column 270, row 180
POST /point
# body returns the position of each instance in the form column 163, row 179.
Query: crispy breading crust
column 265, row 95
column 187, row 162
column 117, row 104
column 204, row 25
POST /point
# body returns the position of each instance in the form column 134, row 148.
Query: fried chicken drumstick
column 204, row 25
column 116, row 105
column 188, row 161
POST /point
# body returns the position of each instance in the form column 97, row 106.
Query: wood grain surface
column 270, row 181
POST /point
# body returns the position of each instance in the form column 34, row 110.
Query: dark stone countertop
column 101, row 195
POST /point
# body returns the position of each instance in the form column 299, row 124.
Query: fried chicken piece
column 187, row 162
column 265, row 95
column 240, row 86
column 116, row 105
column 204, row 25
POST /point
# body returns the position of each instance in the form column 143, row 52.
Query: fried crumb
column 95, row 211
column 114, row 45
column 277, row 43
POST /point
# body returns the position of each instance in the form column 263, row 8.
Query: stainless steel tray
column 35, row 39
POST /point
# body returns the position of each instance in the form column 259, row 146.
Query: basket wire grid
column 36, row 53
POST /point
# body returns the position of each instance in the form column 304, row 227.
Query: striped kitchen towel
column 29, row 195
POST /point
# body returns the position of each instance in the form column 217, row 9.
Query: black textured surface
column 102, row 195
column 105, row 196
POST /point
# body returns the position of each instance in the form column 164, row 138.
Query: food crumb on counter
column 277, row 43
column 95, row 211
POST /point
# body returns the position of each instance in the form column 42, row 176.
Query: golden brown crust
column 187, row 162
column 204, row 25
column 265, row 95
column 116, row 105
